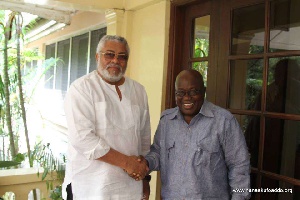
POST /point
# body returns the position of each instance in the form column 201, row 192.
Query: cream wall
column 148, row 59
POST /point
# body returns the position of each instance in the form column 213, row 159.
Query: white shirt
column 97, row 121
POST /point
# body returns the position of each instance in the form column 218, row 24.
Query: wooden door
column 251, row 63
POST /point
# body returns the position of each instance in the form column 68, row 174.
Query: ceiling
column 53, row 15
column 60, row 10
column 52, row 12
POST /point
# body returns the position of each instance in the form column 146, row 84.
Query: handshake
column 136, row 167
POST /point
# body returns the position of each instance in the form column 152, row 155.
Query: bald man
column 199, row 148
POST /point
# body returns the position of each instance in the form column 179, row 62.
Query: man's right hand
column 136, row 168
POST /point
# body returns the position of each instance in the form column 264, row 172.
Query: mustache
column 113, row 65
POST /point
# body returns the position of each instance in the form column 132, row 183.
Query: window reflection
column 281, row 151
column 248, row 30
column 281, row 147
column 283, row 85
column 251, row 128
column 284, row 25
column 201, row 36
column 245, row 84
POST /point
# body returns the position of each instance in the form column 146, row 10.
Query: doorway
column 249, row 54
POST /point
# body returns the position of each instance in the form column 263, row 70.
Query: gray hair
column 115, row 38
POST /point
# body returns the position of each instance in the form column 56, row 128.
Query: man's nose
column 115, row 59
column 186, row 96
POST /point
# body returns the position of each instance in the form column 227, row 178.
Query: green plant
column 13, row 98
column 54, row 168
column 56, row 194
column 8, row 164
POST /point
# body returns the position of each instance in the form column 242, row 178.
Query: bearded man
column 108, row 127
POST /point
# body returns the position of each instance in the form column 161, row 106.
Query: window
column 252, row 59
column 50, row 53
column 76, row 57
column 61, row 75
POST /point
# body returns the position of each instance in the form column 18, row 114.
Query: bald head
column 190, row 92
column 190, row 74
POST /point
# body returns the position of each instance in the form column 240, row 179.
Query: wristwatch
column 147, row 178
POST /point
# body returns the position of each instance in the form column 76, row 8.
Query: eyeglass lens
column 111, row 56
column 182, row 93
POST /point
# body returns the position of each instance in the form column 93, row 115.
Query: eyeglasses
column 122, row 57
column 191, row 93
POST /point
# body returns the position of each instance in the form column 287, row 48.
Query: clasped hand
column 136, row 167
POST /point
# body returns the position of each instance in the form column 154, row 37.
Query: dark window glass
column 50, row 53
column 61, row 79
column 95, row 37
column 282, row 146
column 283, row 94
column 79, row 56
column 246, row 84
column 248, row 30
column 284, row 25
column 284, row 190
column 251, row 129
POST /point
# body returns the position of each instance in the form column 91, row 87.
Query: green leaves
column 16, row 161
column 8, row 163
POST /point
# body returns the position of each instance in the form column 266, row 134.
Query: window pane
column 251, row 129
column 201, row 36
column 248, row 30
column 253, row 178
column 287, row 190
column 283, row 85
column 202, row 68
column 95, row 37
column 246, row 84
column 61, row 76
column 282, row 147
column 50, row 53
column 79, row 56
column 284, row 25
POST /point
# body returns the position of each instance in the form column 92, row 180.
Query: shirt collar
column 206, row 110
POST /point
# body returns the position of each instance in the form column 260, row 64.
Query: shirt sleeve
column 237, row 160
column 153, row 157
column 80, row 115
column 146, row 130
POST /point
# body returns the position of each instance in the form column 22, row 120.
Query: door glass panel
column 201, row 36
column 202, row 68
column 282, row 147
column 253, row 182
column 248, row 30
column 283, row 94
column 246, row 84
column 251, row 129
column 284, row 25
column 278, row 190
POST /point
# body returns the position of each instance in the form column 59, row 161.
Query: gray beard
column 111, row 78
